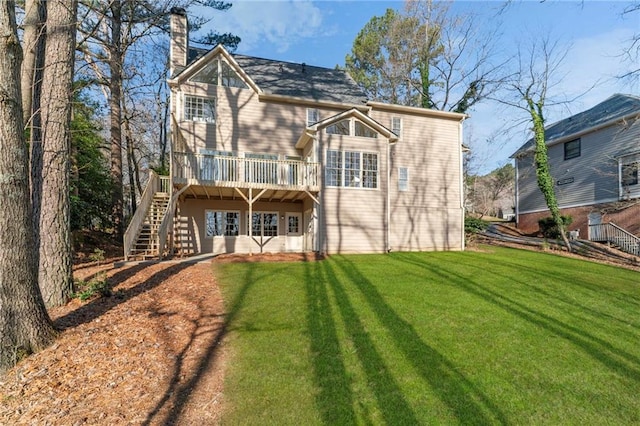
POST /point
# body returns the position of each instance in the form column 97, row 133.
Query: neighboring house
column 594, row 158
column 271, row 156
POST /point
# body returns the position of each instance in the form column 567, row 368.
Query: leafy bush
column 548, row 227
column 474, row 225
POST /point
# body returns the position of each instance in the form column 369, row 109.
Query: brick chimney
column 179, row 45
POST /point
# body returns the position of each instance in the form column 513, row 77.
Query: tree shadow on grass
column 465, row 400
column 599, row 349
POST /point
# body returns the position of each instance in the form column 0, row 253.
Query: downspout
column 620, row 190
column 517, row 192
column 388, row 191
column 315, row 215
column 461, row 171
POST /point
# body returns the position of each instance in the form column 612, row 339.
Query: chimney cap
column 178, row 11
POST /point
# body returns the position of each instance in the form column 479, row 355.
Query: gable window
column 264, row 224
column 364, row 131
column 221, row 223
column 312, row 116
column 572, row 149
column 339, row 128
column 351, row 169
column 345, row 128
column 403, row 179
column 197, row 108
column 208, row 74
column 219, row 73
column 396, row 126
column 229, row 78
column 630, row 174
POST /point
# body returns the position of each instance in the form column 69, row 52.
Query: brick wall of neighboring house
column 625, row 215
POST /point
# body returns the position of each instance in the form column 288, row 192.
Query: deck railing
column 222, row 170
column 130, row 235
column 613, row 234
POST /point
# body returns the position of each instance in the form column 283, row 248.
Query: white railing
column 167, row 221
column 165, row 184
column 222, row 170
column 131, row 234
column 612, row 233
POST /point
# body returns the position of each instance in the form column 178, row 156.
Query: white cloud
column 279, row 23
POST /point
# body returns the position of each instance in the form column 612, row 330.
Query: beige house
column 272, row 156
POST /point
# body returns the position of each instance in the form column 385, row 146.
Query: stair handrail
column 612, row 233
column 167, row 219
column 137, row 220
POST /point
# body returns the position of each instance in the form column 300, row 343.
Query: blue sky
column 321, row 33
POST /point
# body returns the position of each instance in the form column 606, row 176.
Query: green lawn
column 495, row 337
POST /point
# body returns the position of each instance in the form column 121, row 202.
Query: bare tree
column 55, row 274
column 537, row 74
column 24, row 323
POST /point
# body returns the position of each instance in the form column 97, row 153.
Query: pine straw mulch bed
column 152, row 353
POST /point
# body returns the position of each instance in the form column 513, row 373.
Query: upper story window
column 362, row 130
column 630, row 174
column 396, row 126
column 312, row 116
column 219, row 73
column 351, row 169
column 351, row 127
column 403, row 179
column 197, row 108
column 572, row 149
column 339, row 128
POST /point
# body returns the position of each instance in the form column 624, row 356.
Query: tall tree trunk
column 131, row 162
column 24, row 323
column 33, row 47
column 115, row 107
column 55, row 274
column 34, row 41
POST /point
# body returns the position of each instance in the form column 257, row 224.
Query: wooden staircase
column 143, row 238
column 147, row 242
column 612, row 234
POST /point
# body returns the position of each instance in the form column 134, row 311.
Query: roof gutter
column 301, row 101
column 418, row 110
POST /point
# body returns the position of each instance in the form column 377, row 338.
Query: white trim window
column 630, row 174
column 396, row 126
column 351, row 169
column 219, row 73
column 264, row 224
column 349, row 127
column 340, row 128
column 221, row 223
column 403, row 179
column 313, row 116
column 197, row 108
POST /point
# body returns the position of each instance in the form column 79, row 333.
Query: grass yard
column 497, row 337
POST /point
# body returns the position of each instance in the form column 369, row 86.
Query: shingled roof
column 613, row 108
column 296, row 80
